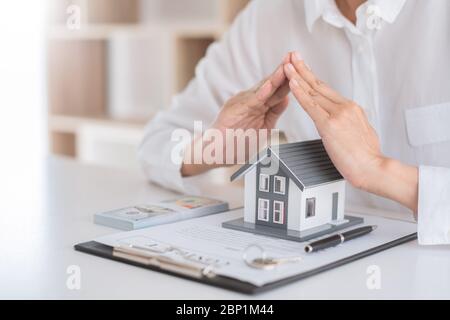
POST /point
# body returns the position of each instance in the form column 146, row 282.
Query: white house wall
column 250, row 196
column 295, row 206
column 324, row 204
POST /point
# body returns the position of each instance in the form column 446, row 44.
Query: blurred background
column 112, row 64
column 79, row 79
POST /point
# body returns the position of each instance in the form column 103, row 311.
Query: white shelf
column 106, row 31
column 71, row 124
column 136, row 53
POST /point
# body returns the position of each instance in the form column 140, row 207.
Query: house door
column 334, row 210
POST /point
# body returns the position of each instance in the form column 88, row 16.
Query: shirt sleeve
column 434, row 206
column 229, row 67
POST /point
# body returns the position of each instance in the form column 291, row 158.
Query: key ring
column 264, row 262
column 257, row 263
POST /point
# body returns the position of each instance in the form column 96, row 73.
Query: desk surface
column 38, row 234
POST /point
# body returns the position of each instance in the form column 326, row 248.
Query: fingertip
column 296, row 57
column 299, row 62
column 289, row 69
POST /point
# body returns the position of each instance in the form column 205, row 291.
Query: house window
column 264, row 182
column 279, row 185
column 310, row 207
column 263, row 210
column 278, row 212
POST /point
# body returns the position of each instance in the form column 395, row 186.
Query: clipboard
column 104, row 251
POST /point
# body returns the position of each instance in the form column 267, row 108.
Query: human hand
column 257, row 108
column 347, row 135
column 253, row 112
column 349, row 139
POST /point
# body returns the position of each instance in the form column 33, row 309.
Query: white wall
column 250, row 196
column 324, row 204
column 22, row 114
column 295, row 206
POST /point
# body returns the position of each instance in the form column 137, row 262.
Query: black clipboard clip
column 180, row 263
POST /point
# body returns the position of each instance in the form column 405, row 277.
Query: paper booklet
column 205, row 240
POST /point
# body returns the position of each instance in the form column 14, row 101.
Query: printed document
column 205, row 239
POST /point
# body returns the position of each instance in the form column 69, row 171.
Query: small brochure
column 142, row 216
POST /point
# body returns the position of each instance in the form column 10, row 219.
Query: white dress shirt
column 395, row 63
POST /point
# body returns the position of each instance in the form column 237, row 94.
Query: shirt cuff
column 434, row 206
column 161, row 169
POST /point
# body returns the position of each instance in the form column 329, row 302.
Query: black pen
column 339, row 238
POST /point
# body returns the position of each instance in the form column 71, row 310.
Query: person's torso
column 399, row 74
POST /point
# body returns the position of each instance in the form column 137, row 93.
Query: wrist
column 202, row 154
column 394, row 180
column 380, row 172
column 372, row 174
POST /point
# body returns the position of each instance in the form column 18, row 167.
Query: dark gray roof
column 307, row 163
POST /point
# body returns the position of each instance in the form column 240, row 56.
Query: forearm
column 194, row 162
column 396, row 181
column 190, row 170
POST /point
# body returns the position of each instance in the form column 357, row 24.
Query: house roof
column 306, row 163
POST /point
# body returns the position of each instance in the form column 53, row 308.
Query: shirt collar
column 389, row 9
column 315, row 9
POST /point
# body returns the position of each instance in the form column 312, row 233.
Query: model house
column 293, row 189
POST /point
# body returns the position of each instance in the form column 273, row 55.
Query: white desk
column 37, row 247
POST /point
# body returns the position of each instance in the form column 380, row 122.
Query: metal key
column 265, row 262
column 271, row 263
